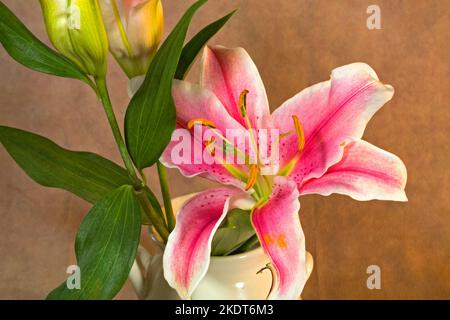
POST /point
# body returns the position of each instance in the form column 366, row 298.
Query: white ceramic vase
column 232, row 277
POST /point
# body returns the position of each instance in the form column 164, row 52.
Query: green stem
column 143, row 177
column 155, row 219
column 170, row 217
column 102, row 91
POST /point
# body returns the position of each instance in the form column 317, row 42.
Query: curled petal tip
column 364, row 173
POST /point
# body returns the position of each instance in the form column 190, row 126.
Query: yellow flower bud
column 134, row 28
column 76, row 29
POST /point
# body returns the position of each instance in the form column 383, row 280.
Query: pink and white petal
column 187, row 254
column 330, row 112
column 365, row 172
column 228, row 72
column 193, row 101
column 277, row 225
column 181, row 154
column 307, row 106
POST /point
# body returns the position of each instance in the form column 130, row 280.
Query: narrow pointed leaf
column 236, row 229
column 29, row 51
column 150, row 118
column 85, row 174
column 193, row 47
column 105, row 247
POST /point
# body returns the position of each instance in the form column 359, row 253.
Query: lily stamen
column 209, row 124
column 287, row 169
column 201, row 121
column 300, row 133
column 209, row 145
column 253, row 174
column 242, row 104
column 286, row 134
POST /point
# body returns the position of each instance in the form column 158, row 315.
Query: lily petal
column 144, row 24
column 365, row 172
column 195, row 102
column 228, row 72
column 330, row 112
column 131, row 4
column 277, row 225
column 187, row 254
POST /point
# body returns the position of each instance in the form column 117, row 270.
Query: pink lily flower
column 321, row 152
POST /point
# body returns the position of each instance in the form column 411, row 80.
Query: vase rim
column 240, row 256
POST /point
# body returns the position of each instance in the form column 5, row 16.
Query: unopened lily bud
column 76, row 29
column 135, row 29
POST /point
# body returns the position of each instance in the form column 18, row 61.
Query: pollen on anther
column 300, row 133
column 200, row 121
column 253, row 174
column 243, row 103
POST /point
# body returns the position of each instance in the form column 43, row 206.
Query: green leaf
column 28, row 50
column 234, row 231
column 105, row 247
column 87, row 175
column 193, row 47
column 151, row 116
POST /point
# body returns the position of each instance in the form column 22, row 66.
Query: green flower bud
column 76, row 29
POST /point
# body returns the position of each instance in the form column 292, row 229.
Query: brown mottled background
column 295, row 44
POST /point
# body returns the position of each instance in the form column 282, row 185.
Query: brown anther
column 201, row 121
column 300, row 134
column 253, row 174
column 243, row 103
